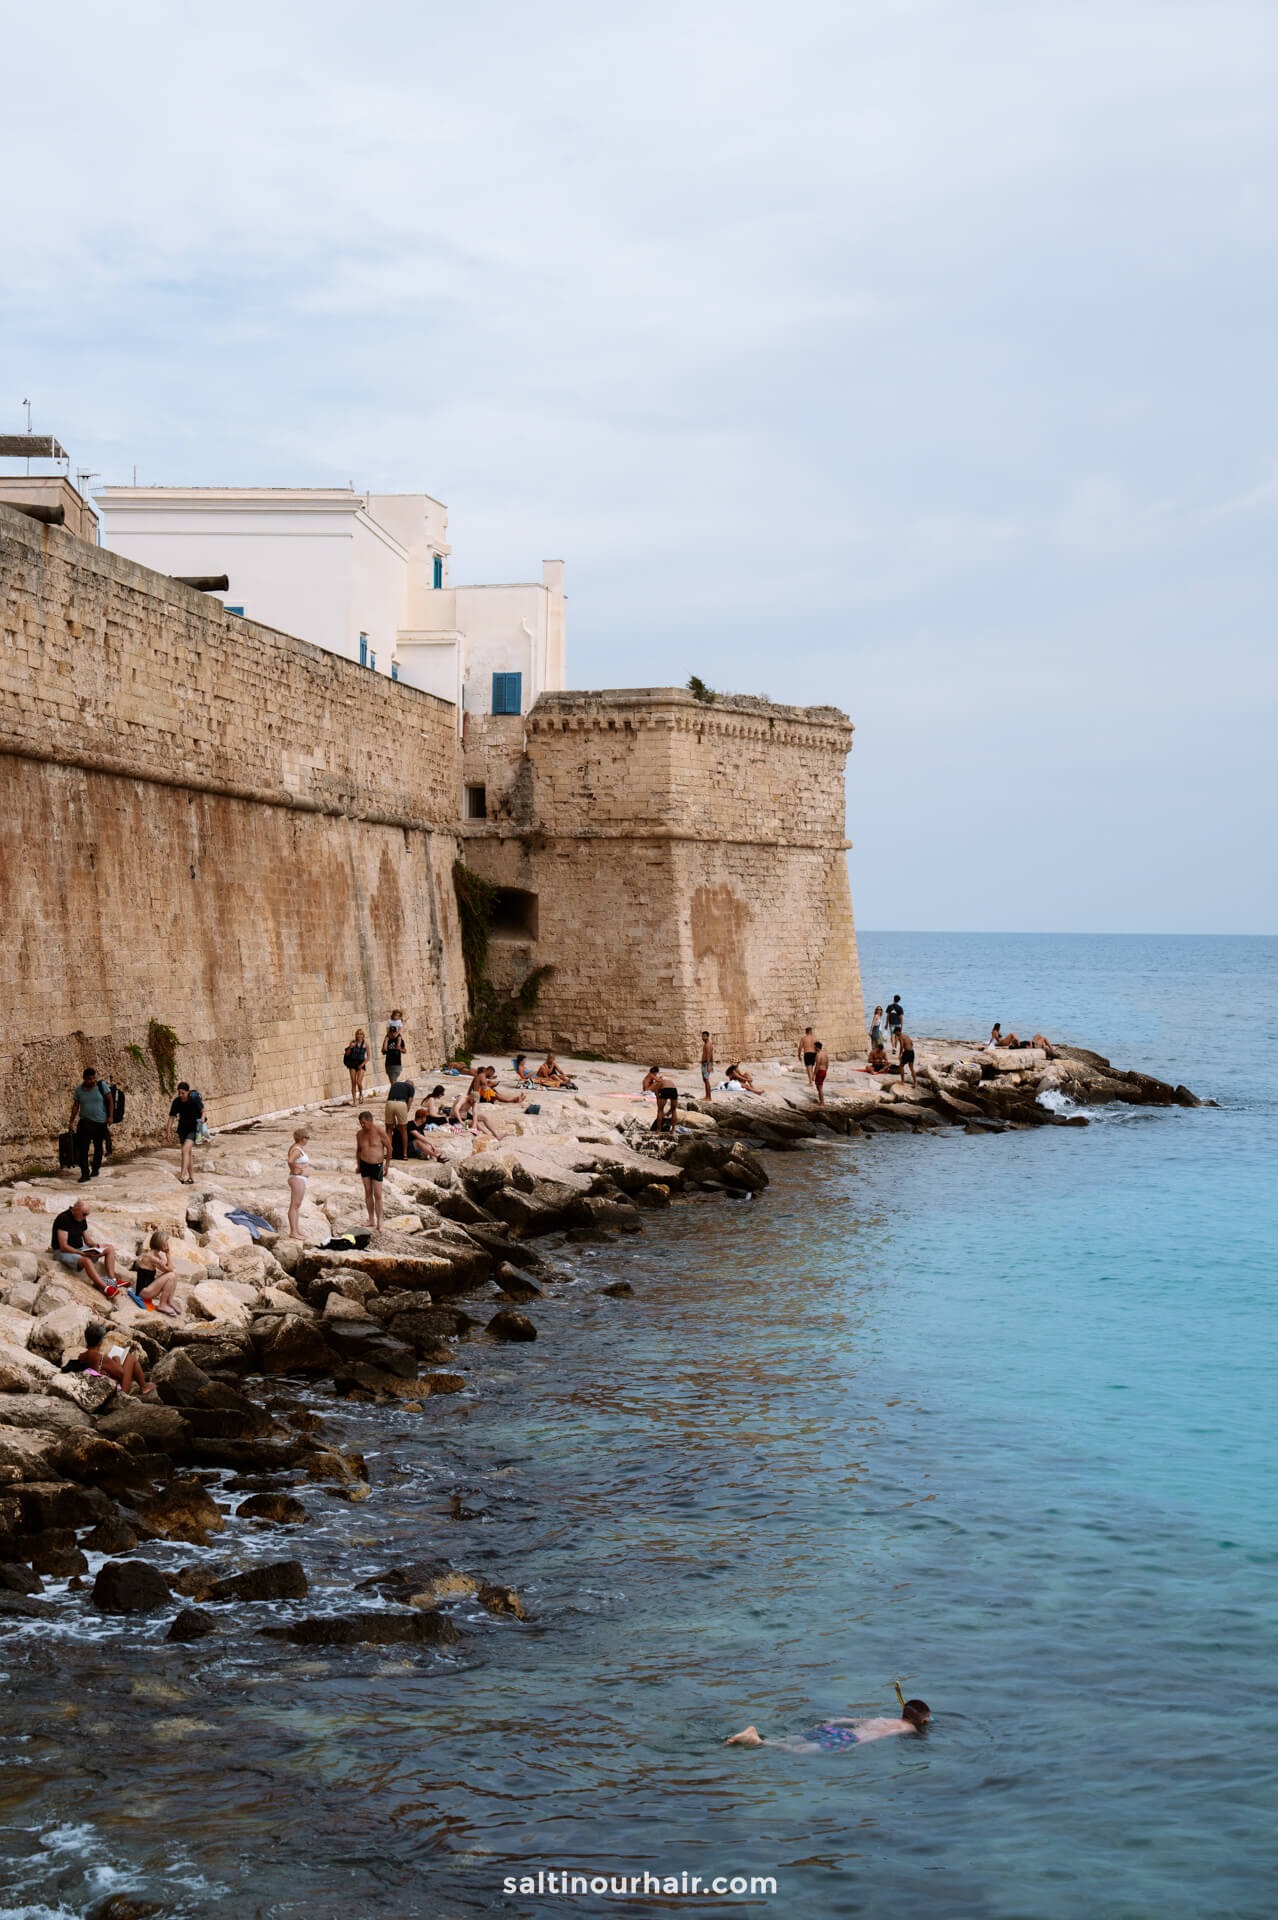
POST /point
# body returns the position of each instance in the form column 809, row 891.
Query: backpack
column 66, row 1149
column 117, row 1104
column 351, row 1057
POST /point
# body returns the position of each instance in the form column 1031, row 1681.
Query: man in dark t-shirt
column 399, row 1104
column 895, row 1020
column 89, row 1117
column 186, row 1114
column 69, row 1242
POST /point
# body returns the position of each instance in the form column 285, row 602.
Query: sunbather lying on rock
column 551, row 1074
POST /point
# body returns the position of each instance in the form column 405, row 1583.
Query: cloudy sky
column 912, row 355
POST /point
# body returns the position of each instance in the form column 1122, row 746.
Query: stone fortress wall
column 680, row 865
column 209, row 825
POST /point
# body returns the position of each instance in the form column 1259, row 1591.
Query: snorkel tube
column 900, row 1696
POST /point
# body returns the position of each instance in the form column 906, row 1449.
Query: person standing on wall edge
column 89, row 1117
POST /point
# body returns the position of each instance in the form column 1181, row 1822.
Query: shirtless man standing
column 372, row 1151
column 655, row 1081
column 807, row 1052
column 820, row 1067
column 907, row 1058
column 707, row 1062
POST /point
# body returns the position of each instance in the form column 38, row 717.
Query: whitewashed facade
column 363, row 575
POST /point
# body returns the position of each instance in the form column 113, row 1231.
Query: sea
column 991, row 1418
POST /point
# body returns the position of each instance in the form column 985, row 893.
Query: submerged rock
column 368, row 1629
column 278, row 1507
column 183, row 1511
column 282, row 1580
column 192, row 1623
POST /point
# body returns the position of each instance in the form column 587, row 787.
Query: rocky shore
column 233, row 1445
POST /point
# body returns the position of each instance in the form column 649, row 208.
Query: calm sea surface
column 991, row 1416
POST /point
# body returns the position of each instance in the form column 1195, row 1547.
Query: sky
column 914, row 357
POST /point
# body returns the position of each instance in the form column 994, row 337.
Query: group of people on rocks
column 897, row 1042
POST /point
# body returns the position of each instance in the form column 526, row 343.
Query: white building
column 364, row 575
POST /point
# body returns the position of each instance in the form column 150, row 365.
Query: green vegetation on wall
column 162, row 1044
column 493, row 1026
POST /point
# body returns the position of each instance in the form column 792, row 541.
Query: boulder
column 191, row 1623
column 443, row 1321
column 20, row 1295
column 527, row 1214
column 214, row 1300
column 110, row 1536
column 481, row 1179
column 183, row 1510
column 161, row 1426
column 281, row 1580
column 16, row 1328
column 416, row 1270
column 516, row 1285
column 608, row 1216
column 179, row 1378
column 55, row 1503
column 47, row 1411
column 379, row 1629
column 341, row 1468
column 510, row 1325
column 368, row 1341
column 97, row 1458
column 338, row 1307
column 17, row 1577
column 655, row 1194
column 58, row 1561
column 285, row 1298
column 129, row 1586
column 29, row 1454
column 617, row 1290
column 280, row 1508
column 417, row 1331
column 291, row 1344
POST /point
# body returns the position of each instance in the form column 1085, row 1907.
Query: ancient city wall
column 688, row 867
column 208, row 825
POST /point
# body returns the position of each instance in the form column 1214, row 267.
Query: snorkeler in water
column 835, row 1736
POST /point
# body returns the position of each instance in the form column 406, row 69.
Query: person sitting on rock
column 1041, row 1040
column 465, row 1112
column 996, row 1038
column 837, row 1735
column 522, row 1074
column 878, row 1061
column 120, row 1364
column 70, row 1244
column 739, row 1080
column 486, row 1087
column 419, row 1147
column 551, row 1074
column 156, row 1292
column 654, row 1081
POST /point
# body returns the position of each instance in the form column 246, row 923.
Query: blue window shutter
column 439, row 569
column 508, row 693
column 394, row 669
column 363, row 649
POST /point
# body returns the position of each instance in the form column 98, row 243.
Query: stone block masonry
column 688, row 864
column 209, row 825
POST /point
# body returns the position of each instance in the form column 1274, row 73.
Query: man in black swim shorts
column 907, row 1058
column 372, row 1151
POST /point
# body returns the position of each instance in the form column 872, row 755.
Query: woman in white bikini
column 298, row 1161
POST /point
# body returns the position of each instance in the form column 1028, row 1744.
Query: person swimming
column 837, row 1735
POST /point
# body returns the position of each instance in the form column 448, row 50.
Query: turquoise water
column 990, row 1415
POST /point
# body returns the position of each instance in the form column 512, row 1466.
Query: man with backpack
column 89, row 1116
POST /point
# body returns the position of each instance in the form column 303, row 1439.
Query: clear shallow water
column 992, row 1416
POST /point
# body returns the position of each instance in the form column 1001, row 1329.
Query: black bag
column 66, row 1149
column 117, row 1104
column 346, row 1243
column 351, row 1057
